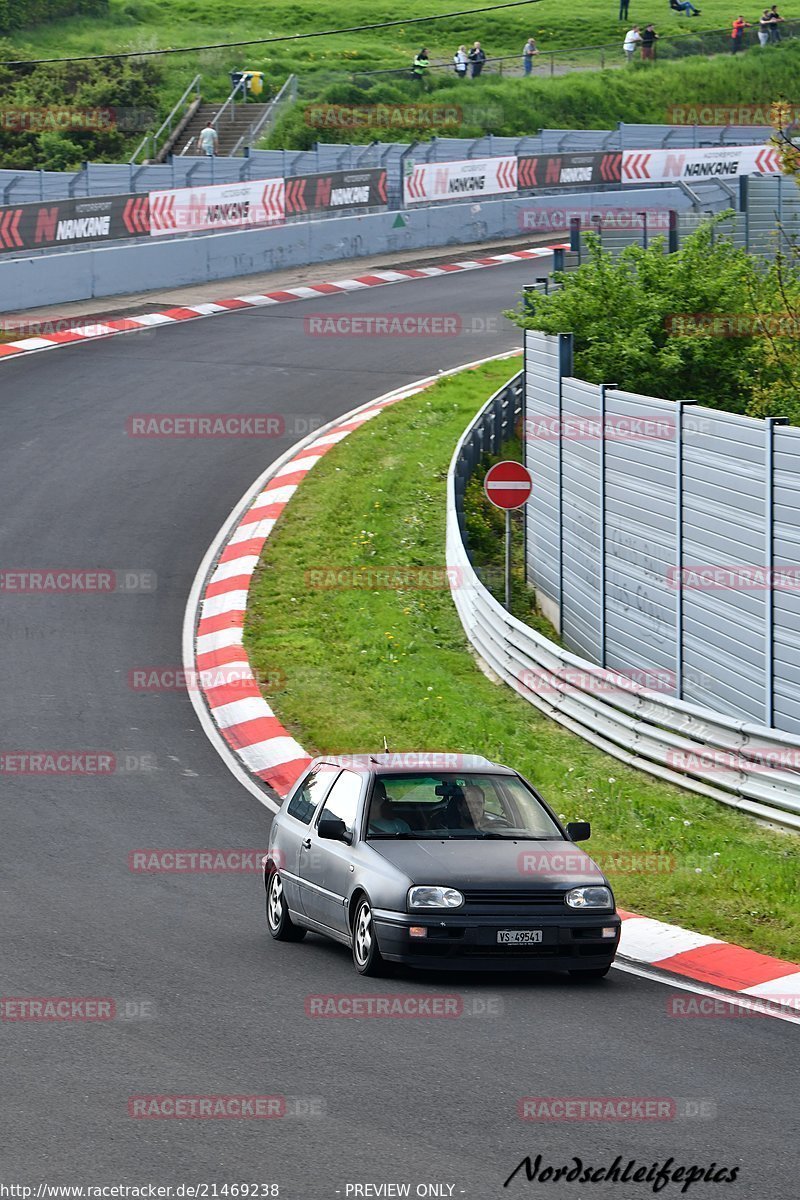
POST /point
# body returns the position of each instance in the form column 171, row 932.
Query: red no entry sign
column 508, row 484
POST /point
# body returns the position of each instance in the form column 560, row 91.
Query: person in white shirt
column 460, row 61
column 208, row 140
column 632, row 40
column 528, row 52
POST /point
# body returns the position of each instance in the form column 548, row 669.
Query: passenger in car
column 380, row 813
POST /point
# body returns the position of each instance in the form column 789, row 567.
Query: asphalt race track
column 216, row 1006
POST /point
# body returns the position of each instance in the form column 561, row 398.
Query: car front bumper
column 466, row 942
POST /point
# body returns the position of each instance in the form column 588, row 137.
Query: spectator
column 737, row 33
column 477, row 57
column 460, row 62
column 208, row 140
column 684, row 6
column 421, row 65
column 775, row 33
column 649, row 39
column 623, row 10
column 528, row 52
column 765, row 23
column 632, row 39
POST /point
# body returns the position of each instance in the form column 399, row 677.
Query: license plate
column 519, row 937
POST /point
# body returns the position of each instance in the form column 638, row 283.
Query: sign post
column 508, row 485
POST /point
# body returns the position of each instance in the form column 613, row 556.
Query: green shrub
column 622, row 312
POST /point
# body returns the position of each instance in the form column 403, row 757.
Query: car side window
column 306, row 800
column 342, row 799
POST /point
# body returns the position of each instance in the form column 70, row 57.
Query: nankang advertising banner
column 426, row 182
column 66, row 222
column 568, row 170
column 711, row 162
column 220, row 206
column 334, row 190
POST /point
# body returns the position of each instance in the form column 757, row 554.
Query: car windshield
column 456, row 806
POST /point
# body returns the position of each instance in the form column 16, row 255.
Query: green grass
column 139, row 25
column 585, row 100
column 361, row 664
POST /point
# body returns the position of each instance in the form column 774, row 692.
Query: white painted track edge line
column 685, row 984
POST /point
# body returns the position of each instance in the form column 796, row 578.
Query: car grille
column 513, row 897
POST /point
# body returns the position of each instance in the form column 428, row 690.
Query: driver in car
column 380, row 813
column 475, row 805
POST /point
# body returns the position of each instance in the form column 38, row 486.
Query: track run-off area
column 205, row 1003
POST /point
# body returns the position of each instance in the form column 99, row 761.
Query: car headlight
column 590, row 897
column 425, row 896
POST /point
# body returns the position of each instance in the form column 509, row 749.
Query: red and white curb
column 93, row 329
column 256, row 746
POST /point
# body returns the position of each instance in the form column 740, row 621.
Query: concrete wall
column 124, row 268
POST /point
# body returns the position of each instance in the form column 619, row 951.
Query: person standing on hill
column 421, row 65
column 737, row 33
column 632, row 40
column 765, row 27
column 461, row 62
column 649, row 39
column 477, row 57
column 777, row 19
column 528, row 52
column 623, row 10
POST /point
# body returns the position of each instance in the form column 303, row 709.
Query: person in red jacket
column 737, row 33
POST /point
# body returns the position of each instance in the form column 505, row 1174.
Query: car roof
column 414, row 762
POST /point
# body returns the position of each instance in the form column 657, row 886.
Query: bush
column 19, row 14
column 622, row 312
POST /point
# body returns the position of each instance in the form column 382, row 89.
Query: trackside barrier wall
column 681, row 742
column 621, row 522
column 19, row 187
column 27, row 282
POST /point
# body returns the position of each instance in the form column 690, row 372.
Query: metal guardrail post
column 604, row 387
column 680, row 405
column 558, row 259
column 565, row 343
column 769, row 546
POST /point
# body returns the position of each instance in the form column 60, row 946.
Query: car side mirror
column 334, row 829
column 579, row 831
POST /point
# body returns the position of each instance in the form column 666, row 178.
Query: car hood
column 509, row 863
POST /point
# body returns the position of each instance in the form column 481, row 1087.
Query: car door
column 326, row 865
column 295, row 825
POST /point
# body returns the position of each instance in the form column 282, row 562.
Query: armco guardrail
column 746, row 766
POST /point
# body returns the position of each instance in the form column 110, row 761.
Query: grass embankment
column 324, row 65
column 584, row 100
column 360, row 664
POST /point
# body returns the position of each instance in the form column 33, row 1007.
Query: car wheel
column 279, row 922
column 591, row 972
column 366, row 955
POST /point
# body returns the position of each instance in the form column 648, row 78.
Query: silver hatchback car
column 457, row 864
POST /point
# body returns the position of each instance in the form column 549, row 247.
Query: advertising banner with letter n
column 220, row 206
column 711, row 162
column 465, row 178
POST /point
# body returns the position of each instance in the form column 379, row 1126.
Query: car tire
column 279, row 923
column 587, row 973
column 366, row 955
